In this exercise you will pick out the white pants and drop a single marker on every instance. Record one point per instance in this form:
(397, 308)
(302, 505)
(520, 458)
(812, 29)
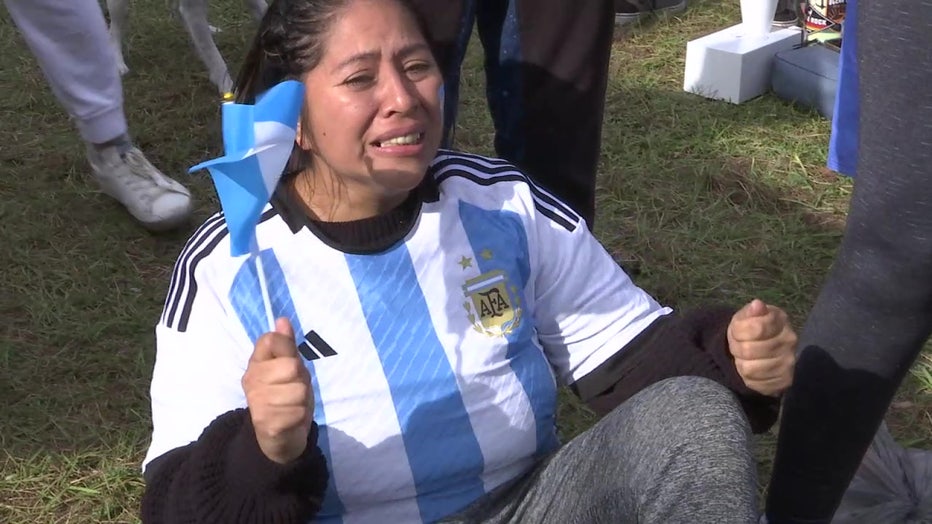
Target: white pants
(69, 40)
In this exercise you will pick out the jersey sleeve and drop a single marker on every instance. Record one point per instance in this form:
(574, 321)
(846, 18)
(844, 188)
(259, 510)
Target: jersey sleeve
(199, 365)
(586, 306)
(204, 463)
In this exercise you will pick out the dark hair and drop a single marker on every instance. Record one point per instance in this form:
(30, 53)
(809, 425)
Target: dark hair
(288, 44)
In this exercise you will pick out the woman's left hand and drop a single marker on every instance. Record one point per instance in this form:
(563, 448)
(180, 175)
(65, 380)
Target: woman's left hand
(763, 344)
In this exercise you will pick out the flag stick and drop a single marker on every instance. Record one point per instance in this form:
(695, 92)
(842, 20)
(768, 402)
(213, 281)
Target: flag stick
(264, 288)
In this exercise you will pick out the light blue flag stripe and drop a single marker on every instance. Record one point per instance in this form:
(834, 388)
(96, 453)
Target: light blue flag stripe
(238, 128)
(242, 195)
(246, 298)
(502, 234)
(443, 452)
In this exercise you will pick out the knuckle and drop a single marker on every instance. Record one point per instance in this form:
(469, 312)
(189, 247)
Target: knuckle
(255, 401)
(300, 394)
(264, 342)
(761, 330)
(306, 393)
(297, 368)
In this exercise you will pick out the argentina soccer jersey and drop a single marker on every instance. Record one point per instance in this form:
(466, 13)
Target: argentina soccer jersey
(426, 345)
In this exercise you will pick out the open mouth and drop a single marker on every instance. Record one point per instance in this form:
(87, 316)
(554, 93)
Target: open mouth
(405, 140)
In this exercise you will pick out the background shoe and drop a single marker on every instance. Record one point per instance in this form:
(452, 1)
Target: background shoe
(628, 12)
(156, 201)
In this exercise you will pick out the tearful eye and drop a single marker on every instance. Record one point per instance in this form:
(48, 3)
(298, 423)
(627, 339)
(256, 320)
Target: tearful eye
(418, 69)
(359, 81)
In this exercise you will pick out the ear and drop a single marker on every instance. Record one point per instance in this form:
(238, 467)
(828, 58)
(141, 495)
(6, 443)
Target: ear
(301, 138)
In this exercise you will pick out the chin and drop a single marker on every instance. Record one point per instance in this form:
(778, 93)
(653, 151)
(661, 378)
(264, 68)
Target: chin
(400, 173)
(401, 180)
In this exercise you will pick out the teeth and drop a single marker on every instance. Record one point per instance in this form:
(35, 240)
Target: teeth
(413, 138)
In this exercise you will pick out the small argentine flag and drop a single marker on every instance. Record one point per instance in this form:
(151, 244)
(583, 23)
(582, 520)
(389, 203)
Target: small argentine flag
(257, 142)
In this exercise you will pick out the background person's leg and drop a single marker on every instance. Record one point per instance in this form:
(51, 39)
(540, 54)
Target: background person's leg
(450, 24)
(677, 452)
(547, 72)
(70, 42)
(875, 310)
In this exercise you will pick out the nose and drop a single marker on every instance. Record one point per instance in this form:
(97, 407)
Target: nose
(399, 93)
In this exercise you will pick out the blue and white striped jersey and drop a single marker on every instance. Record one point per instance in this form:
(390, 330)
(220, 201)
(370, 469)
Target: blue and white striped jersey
(434, 363)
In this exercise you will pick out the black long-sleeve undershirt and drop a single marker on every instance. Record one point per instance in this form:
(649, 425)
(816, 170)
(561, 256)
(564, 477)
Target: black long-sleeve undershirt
(223, 477)
(690, 344)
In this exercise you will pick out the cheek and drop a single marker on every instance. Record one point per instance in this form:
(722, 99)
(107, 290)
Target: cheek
(340, 126)
(430, 94)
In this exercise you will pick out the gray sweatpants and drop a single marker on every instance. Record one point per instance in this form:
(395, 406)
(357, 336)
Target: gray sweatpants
(677, 452)
(70, 41)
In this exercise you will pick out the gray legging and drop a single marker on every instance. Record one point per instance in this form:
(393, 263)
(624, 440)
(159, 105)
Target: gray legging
(677, 452)
(875, 310)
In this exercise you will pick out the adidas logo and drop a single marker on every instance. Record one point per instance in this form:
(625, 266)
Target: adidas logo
(315, 347)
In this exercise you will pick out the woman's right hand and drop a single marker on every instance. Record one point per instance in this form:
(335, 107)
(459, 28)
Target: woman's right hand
(279, 394)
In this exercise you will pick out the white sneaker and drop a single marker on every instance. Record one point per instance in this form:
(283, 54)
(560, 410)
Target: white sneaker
(156, 201)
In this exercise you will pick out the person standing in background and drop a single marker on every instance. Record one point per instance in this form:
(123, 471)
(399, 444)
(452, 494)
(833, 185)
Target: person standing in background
(874, 312)
(69, 39)
(546, 66)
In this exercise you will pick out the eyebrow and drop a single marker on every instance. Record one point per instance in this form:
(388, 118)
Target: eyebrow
(372, 55)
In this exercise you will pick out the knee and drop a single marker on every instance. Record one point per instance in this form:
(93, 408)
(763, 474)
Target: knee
(689, 411)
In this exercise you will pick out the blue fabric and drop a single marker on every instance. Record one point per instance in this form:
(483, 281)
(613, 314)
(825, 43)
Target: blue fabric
(843, 144)
(501, 40)
(451, 76)
(443, 451)
(283, 306)
(499, 32)
(247, 299)
(492, 232)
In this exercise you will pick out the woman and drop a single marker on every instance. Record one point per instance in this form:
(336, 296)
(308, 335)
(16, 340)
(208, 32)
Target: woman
(429, 305)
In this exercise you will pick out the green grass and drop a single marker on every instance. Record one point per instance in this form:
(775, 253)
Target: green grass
(712, 201)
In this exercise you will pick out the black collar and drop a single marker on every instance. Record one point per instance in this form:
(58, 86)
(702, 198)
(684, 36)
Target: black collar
(364, 236)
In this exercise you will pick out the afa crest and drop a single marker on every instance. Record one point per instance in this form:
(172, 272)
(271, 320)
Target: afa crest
(493, 306)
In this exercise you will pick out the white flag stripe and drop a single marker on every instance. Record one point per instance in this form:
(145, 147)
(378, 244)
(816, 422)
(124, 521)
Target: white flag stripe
(487, 282)
(273, 159)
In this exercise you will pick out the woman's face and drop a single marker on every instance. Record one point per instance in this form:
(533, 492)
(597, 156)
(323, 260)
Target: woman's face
(373, 116)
